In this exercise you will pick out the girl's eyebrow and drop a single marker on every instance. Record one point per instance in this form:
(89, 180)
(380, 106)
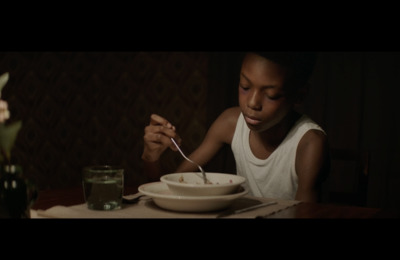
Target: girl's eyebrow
(265, 87)
(244, 76)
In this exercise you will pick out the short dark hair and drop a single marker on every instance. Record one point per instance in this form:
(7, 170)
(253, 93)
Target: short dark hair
(300, 64)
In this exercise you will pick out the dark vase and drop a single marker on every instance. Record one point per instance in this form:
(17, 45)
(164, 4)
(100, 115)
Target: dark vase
(17, 194)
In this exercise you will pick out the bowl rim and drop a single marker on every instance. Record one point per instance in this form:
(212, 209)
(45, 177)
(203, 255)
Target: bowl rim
(157, 195)
(201, 185)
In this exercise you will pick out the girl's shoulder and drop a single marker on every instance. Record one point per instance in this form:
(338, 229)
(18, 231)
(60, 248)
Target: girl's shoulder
(229, 117)
(224, 126)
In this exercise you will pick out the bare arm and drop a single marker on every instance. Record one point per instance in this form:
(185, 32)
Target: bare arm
(157, 140)
(220, 133)
(312, 162)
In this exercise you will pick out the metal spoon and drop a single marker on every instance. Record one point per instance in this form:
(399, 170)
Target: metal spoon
(184, 156)
(132, 201)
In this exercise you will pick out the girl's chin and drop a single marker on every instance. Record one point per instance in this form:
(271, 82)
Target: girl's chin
(255, 127)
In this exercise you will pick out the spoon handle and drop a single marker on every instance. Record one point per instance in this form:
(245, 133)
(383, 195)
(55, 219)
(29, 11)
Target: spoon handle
(184, 156)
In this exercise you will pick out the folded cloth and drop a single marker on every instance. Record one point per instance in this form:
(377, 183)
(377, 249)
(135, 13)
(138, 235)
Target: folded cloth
(146, 208)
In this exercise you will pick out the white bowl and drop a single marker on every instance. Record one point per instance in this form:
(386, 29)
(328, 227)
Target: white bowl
(192, 184)
(164, 198)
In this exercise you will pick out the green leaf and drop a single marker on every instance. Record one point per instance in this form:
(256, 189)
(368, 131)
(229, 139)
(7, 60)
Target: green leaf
(8, 135)
(3, 80)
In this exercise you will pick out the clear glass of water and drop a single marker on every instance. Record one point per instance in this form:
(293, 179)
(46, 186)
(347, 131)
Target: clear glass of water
(103, 187)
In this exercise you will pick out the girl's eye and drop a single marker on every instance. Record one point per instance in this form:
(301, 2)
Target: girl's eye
(275, 97)
(243, 87)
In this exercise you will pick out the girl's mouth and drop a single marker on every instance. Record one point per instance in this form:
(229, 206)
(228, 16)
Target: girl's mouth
(252, 121)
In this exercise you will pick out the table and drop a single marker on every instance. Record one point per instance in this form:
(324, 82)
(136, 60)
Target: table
(304, 210)
(66, 197)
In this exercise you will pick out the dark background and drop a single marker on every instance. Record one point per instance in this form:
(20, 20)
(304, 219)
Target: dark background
(82, 108)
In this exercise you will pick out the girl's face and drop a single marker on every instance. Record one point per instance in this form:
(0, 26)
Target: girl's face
(262, 97)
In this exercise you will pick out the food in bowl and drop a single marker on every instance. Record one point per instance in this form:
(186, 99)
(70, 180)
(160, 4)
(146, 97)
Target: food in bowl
(192, 183)
(182, 180)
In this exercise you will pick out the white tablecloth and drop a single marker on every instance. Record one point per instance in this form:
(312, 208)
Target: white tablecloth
(146, 208)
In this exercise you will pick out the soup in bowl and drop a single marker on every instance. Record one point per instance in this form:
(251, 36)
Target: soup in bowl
(192, 183)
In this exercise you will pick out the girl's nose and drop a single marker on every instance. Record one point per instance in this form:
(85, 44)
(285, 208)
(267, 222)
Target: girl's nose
(255, 100)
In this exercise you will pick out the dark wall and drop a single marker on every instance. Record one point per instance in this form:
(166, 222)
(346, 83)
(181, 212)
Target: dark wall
(355, 97)
(82, 108)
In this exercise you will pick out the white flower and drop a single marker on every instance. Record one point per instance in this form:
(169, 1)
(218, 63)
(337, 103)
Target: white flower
(8, 133)
(4, 112)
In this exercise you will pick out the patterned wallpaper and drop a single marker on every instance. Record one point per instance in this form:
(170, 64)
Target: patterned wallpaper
(82, 108)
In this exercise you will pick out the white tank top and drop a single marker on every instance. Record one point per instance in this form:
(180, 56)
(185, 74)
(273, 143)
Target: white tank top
(274, 177)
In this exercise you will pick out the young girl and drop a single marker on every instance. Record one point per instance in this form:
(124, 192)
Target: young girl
(282, 153)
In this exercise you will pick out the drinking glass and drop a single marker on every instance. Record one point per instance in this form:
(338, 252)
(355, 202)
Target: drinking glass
(103, 187)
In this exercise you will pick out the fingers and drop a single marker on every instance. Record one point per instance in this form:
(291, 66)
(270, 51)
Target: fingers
(157, 138)
(161, 135)
(158, 120)
(160, 131)
(164, 124)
